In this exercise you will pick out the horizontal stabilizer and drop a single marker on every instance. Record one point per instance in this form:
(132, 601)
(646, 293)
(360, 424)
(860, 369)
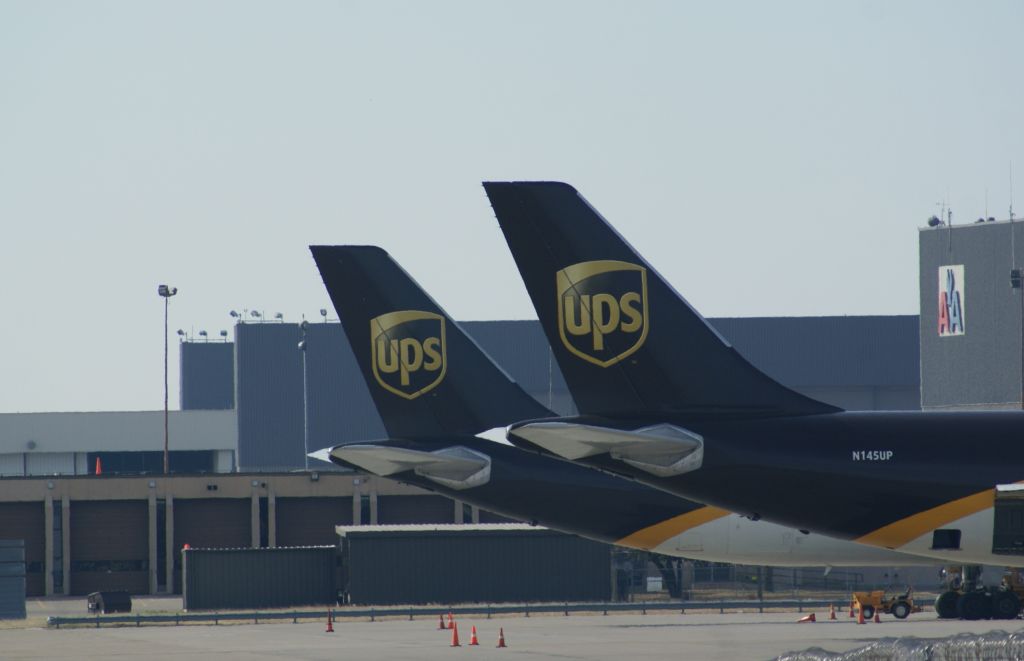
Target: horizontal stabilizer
(322, 455)
(663, 450)
(455, 467)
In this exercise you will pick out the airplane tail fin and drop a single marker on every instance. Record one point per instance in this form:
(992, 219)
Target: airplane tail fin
(625, 340)
(427, 377)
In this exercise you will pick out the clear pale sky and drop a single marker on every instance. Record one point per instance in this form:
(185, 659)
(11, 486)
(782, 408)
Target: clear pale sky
(769, 158)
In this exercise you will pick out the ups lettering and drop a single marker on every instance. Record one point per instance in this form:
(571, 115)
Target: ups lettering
(600, 314)
(408, 355)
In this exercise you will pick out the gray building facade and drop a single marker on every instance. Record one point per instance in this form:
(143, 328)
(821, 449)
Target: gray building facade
(971, 316)
(209, 370)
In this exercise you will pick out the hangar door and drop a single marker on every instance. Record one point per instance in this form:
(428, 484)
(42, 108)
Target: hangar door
(26, 521)
(414, 509)
(210, 523)
(109, 546)
(311, 521)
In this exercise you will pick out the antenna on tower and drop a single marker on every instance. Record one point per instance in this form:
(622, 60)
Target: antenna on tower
(1013, 239)
(949, 228)
(1011, 191)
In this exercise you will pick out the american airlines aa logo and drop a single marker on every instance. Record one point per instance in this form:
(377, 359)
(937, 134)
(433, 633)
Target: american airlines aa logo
(602, 309)
(408, 351)
(951, 300)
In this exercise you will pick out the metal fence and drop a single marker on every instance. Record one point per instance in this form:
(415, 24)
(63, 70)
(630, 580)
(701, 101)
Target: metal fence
(640, 576)
(432, 612)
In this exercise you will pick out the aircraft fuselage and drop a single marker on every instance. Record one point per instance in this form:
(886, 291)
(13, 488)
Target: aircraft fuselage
(881, 478)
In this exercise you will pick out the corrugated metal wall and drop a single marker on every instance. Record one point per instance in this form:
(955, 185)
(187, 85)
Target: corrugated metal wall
(12, 579)
(311, 521)
(982, 367)
(270, 391)
(207, 375)
(863, 351)
(259, 578)
(12, 464)
(269, 397)
(109, 546)
(521, 348)
(475, 566)
(27, 521)
(50, 463)
(340, 407)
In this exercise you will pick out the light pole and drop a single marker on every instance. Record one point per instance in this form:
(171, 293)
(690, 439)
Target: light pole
(303, 327)
(166, 293)
(1017, 282)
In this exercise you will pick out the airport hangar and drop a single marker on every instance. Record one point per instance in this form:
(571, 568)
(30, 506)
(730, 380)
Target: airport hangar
(249, 411)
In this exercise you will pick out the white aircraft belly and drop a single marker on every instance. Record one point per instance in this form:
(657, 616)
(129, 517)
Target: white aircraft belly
(737, 539)
(975, 543)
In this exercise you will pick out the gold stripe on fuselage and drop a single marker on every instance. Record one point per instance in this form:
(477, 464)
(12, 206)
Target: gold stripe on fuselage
(904, 531)
(652, 536)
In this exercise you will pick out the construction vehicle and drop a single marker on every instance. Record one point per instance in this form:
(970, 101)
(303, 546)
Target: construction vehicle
(967, 598)
(899, 606)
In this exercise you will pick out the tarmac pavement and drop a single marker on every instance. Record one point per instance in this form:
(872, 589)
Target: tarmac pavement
(739, 636)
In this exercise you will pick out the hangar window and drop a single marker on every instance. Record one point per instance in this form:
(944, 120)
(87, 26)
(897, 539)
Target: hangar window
(946, 538)
(140, 462)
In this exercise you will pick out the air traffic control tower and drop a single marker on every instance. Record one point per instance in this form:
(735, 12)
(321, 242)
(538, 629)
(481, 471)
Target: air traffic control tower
(972, 308)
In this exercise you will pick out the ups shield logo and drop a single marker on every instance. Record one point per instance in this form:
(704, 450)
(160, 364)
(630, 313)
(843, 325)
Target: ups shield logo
(408, 351)
(602, 310)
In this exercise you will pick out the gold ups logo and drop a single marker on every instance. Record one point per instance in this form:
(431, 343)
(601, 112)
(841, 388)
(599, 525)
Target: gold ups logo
(602, 310)
(408, 351)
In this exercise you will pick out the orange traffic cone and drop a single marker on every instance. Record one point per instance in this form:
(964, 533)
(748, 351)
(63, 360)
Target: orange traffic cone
(472, 636)
(455, 635)
(330, 622)
(831, 612)
(99, 466)
(860, 616)
(878, 620)
(451, 620)
(440, 622)
(808, 618)
(501, 637)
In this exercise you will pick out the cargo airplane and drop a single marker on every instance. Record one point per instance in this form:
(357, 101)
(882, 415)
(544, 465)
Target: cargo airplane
(441, 397)
(666, 400)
